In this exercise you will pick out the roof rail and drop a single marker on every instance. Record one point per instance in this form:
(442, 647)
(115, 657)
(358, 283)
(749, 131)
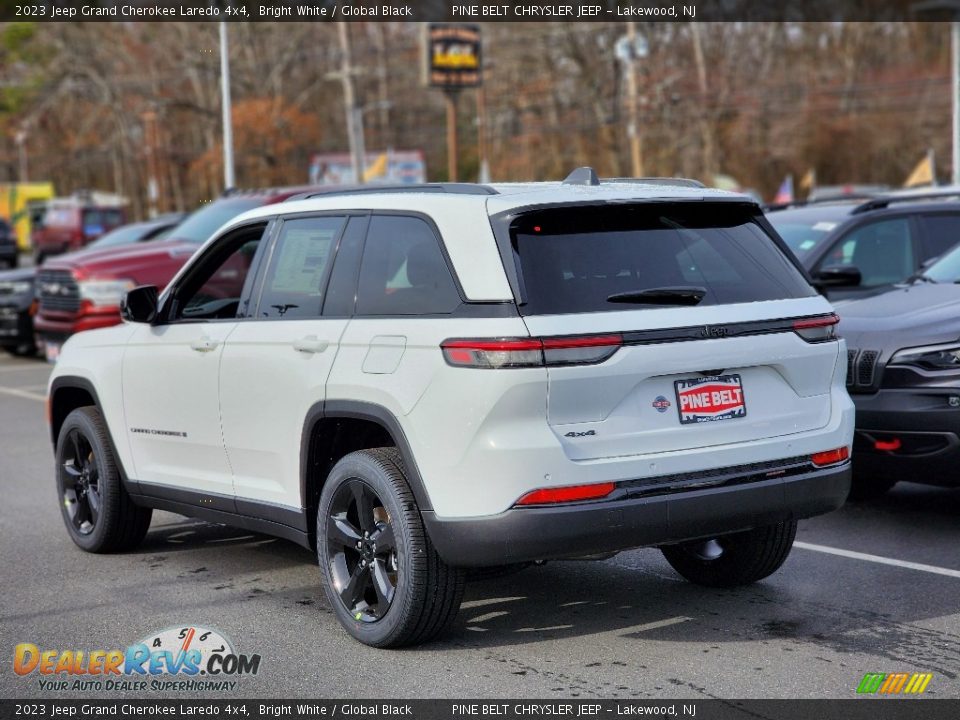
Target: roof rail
(882, 201)
(451, 188)
(666, 181)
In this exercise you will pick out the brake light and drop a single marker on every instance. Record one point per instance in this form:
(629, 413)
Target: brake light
(531, 352)
(574, 493)
(817, 329)
(830, 457)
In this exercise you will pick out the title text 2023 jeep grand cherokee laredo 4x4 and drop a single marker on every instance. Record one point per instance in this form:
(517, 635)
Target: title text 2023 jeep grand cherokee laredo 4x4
(441, 377)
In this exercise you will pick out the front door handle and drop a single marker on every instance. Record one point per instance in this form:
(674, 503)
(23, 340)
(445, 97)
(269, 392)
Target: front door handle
(310, 344)
(204, 344)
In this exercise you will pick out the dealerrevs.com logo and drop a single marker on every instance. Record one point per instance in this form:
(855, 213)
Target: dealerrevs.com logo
(176, 659)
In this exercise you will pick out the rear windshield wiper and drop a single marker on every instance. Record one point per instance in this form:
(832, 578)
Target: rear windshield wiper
(680, 295)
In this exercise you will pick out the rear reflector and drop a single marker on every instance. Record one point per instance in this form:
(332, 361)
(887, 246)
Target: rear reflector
(887, 445)
(530, 352)
(830, 457)
(817, 329)
(574, 493)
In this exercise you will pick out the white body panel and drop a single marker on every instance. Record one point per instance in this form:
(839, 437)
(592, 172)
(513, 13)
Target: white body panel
(267, 386)
(172, 406)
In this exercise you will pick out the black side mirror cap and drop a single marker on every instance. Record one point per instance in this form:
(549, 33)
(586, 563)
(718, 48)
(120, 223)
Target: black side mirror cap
(836, 276)
(140, 304)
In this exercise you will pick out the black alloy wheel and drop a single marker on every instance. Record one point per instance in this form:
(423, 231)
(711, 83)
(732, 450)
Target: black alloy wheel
(385, 582)
(362, 551)
(99, 514)
(80, 483)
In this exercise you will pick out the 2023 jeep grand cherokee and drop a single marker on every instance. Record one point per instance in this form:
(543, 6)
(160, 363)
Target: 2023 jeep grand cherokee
(421, 380)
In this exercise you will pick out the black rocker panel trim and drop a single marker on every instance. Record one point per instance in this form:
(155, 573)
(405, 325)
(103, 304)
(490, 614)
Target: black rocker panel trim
(189, 506)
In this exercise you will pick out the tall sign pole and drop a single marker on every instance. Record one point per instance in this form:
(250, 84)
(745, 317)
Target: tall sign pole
(229, 178)
(452, 63)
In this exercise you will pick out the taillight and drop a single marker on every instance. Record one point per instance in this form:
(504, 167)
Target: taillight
(530, 352)
(573, 493)
(830, 457)
(817, 329)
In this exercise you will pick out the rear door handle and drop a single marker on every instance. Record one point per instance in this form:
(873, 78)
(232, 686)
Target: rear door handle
(310, 344)
(204, 344)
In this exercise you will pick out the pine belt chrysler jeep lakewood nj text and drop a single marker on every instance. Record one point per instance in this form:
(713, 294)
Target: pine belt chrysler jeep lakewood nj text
(420, 380)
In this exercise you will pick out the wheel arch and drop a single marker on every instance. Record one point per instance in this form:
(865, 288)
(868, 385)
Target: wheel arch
(69, 392)
(334, 428)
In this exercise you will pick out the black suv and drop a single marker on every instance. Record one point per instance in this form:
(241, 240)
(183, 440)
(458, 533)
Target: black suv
(903, 373)
(9, 252)
(858, 247)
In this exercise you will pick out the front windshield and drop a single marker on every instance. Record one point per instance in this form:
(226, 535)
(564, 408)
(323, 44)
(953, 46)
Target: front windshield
(946, 269)
(801, 237)
(200, 225)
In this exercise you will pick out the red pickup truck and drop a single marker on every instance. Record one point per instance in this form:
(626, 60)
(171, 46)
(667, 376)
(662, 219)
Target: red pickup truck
(84, 293)
(71, 223)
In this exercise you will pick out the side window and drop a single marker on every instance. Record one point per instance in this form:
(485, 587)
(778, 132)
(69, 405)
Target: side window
(294, 282)
(940, 233)
(342, 288)
(215, 285)
(403, 270)
(882, 251)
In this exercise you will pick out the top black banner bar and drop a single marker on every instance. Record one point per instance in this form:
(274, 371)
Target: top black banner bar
(481, 11)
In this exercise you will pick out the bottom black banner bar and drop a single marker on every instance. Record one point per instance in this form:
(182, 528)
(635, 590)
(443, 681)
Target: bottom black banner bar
(865, 708)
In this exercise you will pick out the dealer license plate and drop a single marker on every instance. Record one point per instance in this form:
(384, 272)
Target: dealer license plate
(719, 397)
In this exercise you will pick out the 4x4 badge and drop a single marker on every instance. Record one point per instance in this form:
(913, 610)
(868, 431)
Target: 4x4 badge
(573, 433)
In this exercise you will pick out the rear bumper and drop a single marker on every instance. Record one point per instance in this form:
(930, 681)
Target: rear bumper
(541, 533)
(921, 423)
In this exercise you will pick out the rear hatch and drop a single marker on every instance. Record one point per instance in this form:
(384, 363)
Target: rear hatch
(702, 331)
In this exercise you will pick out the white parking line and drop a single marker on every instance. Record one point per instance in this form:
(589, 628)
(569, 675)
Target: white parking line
(17, 368)
(878, 559)
(23, 394)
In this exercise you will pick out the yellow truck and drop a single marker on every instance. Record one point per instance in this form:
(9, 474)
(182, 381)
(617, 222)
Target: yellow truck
(22, 205)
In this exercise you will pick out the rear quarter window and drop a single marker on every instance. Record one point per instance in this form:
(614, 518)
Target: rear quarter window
(577, 259)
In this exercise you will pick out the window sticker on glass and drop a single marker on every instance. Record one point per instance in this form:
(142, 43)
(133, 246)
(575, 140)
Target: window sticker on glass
(807, 244)
(825, 226)
(303, 260)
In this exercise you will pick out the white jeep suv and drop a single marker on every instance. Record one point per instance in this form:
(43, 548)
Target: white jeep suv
(425, 379)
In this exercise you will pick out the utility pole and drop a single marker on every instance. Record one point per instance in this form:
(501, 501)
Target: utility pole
(630, 48)
(453, 149)
(354, 114)
(150, 146)
(484, 174)
(21, 139)
(633, 125)
(229, 178)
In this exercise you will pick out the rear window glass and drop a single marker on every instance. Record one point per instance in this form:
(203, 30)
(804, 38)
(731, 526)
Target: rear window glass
(593, 259)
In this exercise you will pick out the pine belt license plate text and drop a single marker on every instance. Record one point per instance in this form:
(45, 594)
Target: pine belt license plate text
(706, 399)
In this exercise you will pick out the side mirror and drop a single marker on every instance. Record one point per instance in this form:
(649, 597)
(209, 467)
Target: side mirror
(140, 304)
(836, 276)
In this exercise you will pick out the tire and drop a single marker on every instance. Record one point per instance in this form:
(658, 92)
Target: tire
(735, 559)
(98, 512)
(864, 488)
(411, 596)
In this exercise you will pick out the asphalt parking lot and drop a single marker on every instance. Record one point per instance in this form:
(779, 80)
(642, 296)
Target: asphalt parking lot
(871, 588)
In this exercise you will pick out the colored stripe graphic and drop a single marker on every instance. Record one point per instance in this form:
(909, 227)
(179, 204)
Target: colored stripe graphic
(894, 683)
